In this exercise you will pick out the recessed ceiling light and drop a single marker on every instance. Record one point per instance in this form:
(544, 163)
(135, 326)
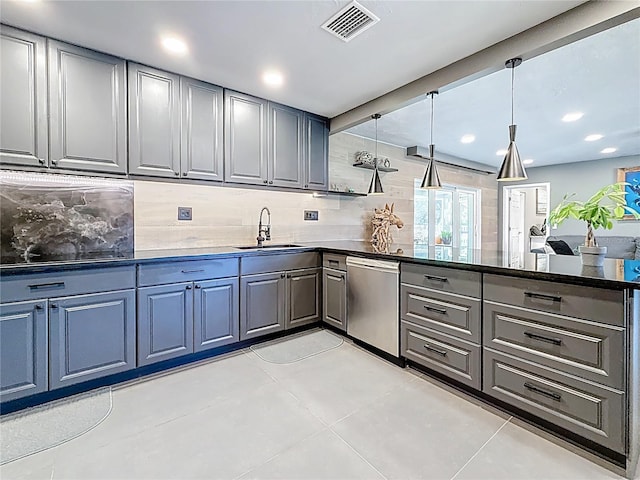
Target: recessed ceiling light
(501, 153)
(593, 137)
(608, 150)
(273, 78)
(572, 117)
(528, 161)
(468, 138)
(174, 45)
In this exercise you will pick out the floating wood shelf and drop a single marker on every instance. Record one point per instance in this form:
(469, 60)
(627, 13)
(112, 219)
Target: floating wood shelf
(368, 166)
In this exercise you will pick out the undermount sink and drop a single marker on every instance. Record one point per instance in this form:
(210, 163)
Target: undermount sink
(255, 247)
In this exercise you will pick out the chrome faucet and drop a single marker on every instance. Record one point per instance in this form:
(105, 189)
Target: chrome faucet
(266, 229)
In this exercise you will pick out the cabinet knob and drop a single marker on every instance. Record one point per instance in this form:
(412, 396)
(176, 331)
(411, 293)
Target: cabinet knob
(38, 307)
(176, 174)
(184, 174)
(264, 181)
(282, 275)
(188, 287)
(54, 162)
(197, 286)
(41, 161)
(53, 306)
(270, 182)
(306, 185)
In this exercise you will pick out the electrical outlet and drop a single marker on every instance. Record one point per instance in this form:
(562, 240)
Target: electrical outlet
(184, 213)
(311, 215)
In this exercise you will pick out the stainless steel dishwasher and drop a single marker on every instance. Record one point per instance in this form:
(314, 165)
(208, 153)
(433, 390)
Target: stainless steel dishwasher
(373, 315)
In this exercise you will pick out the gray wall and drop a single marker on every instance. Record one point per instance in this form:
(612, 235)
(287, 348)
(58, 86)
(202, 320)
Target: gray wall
(583, 178)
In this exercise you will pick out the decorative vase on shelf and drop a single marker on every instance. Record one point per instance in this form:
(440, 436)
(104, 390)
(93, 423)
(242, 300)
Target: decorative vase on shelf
(592, 256)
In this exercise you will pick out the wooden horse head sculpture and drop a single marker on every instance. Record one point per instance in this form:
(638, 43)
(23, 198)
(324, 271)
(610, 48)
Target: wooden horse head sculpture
(382, 219)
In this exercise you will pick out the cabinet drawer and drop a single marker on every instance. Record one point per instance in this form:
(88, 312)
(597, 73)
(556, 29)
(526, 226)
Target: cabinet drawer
(442, 279)
(591, 411)
(332, 260)
(589, 350)
(448, 313)
(444, 354)
(175, 272)
(279, 262)
(65, 283)
(597, 304)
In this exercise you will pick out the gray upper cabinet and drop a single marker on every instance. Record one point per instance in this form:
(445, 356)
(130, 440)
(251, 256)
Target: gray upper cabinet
(303, 289)
(245, 139)
(202, 130)
(216, 313)
(87, 108)
(91, 336)
(286, 132)
(316, 158)
(23, 98)
(165, 322)
(262, 304)
(23, 349)
(154, 122)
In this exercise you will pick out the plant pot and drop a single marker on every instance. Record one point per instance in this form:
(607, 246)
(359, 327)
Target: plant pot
(592, 256)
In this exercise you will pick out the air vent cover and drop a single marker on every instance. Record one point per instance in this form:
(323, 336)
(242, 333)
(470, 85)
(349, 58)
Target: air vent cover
(350, 22)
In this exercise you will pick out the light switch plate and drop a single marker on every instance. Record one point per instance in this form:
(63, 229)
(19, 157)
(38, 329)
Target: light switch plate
(311, 214)
(184, 213)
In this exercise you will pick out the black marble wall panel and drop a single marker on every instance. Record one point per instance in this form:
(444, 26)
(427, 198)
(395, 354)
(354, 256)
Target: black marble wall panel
(46, 217)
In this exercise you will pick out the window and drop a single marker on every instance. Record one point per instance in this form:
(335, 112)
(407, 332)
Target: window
(447, 219)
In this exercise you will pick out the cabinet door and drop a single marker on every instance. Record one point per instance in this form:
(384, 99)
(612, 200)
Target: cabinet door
(154, 122)
(23, 98)
(201, 147)
(215, 317)
(334, 287)
(316, 153)
(87, 108)
(245, 139)
(165, 322)
(23, 349)
(262, 309)
(303, 297)
(91, 336)
(286, 162)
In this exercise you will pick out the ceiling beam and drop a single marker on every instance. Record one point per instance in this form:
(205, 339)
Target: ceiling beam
(580, 22)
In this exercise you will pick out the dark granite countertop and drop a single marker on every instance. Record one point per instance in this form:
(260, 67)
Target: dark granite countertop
(568, 269)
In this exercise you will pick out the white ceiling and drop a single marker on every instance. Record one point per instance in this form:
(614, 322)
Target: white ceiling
(232, 42)
(599, 76)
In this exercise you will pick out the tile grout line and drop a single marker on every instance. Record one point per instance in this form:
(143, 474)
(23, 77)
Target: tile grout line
(357, 453)
(480, 449)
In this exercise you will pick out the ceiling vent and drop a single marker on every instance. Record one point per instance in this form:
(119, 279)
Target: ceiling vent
(350, 22)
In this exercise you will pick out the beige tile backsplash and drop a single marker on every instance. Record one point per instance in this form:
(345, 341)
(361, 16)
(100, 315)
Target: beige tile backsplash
(229, 215)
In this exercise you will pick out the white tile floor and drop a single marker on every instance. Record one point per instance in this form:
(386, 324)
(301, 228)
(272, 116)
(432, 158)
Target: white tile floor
(339, 415)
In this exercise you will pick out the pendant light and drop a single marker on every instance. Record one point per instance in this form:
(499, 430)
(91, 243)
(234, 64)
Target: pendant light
(375, 188)
(431, 178)
(512, 168)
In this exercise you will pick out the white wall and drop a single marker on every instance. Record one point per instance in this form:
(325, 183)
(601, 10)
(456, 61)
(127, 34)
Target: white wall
(583, 179)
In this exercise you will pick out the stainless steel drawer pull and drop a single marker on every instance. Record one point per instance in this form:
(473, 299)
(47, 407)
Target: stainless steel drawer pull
(47, 285)
(435, 350)
(535, 336)
(438, 279)
(542, 296)
(334, 262)
(193, 271)
(552, 395)
(441, 311)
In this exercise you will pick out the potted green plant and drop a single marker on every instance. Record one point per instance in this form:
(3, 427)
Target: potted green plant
(445, 236)
(599, 211)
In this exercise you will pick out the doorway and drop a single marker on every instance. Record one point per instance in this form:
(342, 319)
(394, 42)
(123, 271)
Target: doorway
(524, 207)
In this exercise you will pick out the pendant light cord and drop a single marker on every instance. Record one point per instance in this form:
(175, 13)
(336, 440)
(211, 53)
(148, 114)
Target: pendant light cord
(513, 72)
(376, 157)
(431, 141)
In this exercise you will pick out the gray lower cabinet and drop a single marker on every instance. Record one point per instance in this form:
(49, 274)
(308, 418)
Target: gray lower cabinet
(91, 336)
(202, 130)
(262, 304)
(165, 322)
(245, 144)
(87, 109)
(23, 349)
(334, 287)
(215, 313)
(316, 172)
(285, 159)
(303, 294)
(154, 122)
(23, 98)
